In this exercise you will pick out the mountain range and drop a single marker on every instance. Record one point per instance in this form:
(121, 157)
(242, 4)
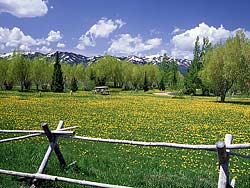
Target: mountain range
(73, 58)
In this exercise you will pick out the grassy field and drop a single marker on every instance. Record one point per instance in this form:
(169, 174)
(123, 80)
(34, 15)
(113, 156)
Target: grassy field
(130, 116)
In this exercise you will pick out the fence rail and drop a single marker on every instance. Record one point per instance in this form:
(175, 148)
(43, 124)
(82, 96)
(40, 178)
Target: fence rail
(162, 144)
(221, 147)
(58, 178)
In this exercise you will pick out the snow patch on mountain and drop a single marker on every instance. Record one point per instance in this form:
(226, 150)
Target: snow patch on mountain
(73, 58)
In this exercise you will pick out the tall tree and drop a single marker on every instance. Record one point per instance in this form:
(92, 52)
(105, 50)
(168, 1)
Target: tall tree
(39, 71)
(192, 80)
(173, 74)
(164, 72)
(79, 72)
(205, 47)
(73, 84)
(21, 70)
(57, 77)
(223, 65)
(164, 64)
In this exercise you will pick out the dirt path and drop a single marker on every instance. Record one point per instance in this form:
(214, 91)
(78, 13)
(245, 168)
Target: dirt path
(165, 93)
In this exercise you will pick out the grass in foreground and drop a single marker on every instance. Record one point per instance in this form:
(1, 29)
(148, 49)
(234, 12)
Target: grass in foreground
(130, 116)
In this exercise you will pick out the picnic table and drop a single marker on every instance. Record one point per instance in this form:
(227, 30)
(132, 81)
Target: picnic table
(102, 89)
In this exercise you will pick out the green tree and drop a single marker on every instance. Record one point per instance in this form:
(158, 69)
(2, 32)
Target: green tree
(164, 64)
(79, 72)
(205, 47)
(161, 84)
(90, 81)
(145, 84)
(173, 74)
(137, 76)
(40, 71)
(57, 77)
(244, 82)
(3, 72)
(192, 80)
(164, 72)
(224, 65)
(21, 70)
(73, 84)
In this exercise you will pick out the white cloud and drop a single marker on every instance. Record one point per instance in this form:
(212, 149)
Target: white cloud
(54, 36)
(15, 38)
(102, 29)
(60, 45)
(2, 47)
(42, 41)
(24, 48)
(44, 50)
(183, 44)
(177, 30)
(24, 8)
(154, 32)
(127, 45)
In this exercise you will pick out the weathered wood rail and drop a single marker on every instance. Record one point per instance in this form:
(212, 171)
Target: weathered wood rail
(221, 147)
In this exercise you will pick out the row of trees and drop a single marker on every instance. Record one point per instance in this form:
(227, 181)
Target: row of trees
(111, 71)
(22, 71)
(106, 71)
(214, 69)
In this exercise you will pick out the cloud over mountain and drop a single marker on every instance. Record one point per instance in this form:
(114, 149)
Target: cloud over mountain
(60, 45)
(54, 36)
(15, 38)
(102, 29)
(44, 49)
(125, 44)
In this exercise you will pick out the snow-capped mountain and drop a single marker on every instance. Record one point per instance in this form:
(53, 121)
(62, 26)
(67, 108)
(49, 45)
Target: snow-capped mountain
(73, 58)
(183, 64)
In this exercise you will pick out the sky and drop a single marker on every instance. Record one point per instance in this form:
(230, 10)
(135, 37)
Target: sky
(119, 27)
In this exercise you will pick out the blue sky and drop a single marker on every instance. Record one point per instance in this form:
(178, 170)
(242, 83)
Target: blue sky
(119, 27)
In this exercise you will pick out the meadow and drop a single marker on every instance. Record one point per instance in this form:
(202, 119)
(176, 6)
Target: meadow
(131, 116)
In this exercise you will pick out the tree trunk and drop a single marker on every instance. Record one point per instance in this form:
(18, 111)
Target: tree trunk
(222, 97)
(115, 83)
(223, 91)
(37, 85)
(22, 86)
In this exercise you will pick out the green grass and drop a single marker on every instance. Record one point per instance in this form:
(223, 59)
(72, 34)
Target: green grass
(130, 116)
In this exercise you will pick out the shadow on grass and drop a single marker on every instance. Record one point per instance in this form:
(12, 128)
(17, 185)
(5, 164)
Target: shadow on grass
(235, 102)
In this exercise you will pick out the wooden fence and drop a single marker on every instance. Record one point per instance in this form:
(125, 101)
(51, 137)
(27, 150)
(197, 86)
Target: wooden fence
(221, 147)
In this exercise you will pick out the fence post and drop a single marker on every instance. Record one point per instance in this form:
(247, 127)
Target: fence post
(52, 146)
(228, 141)
(52, 139)
(223, 157)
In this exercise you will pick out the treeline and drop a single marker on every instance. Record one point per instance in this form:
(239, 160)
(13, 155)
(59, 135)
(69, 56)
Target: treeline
(108, 70)
(216, 70)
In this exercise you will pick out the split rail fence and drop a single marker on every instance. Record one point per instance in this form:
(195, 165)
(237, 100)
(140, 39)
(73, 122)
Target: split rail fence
(221, 147)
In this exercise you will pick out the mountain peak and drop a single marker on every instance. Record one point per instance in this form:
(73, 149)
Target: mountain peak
(73, 58)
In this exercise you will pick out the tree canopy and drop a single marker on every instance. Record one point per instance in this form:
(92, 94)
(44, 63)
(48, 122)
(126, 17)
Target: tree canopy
(227, 66)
